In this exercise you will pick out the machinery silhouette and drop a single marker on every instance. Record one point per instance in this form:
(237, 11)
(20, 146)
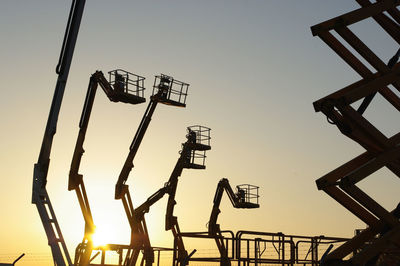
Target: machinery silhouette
(242, 199)
(15, 261)
(379, 243)
(168, 91)
(40, 196)
(124, 87)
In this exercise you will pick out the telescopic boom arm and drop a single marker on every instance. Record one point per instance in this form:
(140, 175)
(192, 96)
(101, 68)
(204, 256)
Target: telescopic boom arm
(39, 193)
(198, 142)
(164, 90)
(140, 237)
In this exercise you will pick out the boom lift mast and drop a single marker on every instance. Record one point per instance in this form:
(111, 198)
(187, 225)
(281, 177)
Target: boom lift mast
(117, 90)
(193, 156)
(168, 91)
(242, 199)
(186, 160)
(40, 196)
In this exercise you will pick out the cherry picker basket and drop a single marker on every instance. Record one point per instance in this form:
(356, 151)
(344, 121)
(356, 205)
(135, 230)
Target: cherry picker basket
(126, 82)
(201, 143)
(248, 194)
(170, 91)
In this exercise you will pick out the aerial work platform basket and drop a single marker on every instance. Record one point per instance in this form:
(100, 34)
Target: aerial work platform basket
(170, 91)
(127, 87)
(199, 141)
(248, 194)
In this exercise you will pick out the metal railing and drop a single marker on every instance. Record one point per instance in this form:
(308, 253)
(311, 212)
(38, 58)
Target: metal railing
(127, 82)
(203, 138)
(174, 90)
(250, 192)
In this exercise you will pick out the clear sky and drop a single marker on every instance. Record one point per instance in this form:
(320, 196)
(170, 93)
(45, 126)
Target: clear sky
(254, 70)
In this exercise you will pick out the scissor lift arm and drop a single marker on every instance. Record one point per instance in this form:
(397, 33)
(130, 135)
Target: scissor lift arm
(40, 196)
(381, 151)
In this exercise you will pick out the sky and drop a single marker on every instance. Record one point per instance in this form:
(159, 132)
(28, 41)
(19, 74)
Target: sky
(254, 71)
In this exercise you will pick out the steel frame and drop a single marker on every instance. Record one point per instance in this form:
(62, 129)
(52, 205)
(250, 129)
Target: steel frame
(341, 183)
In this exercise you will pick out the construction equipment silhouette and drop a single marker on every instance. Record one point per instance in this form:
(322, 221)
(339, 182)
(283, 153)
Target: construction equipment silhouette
(40, 196)
(372, 243)
(124, 87)
(241, 199)
(15, 261)
(379, 243)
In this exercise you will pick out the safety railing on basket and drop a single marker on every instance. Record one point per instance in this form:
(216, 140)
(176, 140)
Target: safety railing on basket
(128, 82)
(250, 192)
(175, 90)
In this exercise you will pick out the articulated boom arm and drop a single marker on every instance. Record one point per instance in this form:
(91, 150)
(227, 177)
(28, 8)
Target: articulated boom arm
(162, 95)
(238, 200)
(241, 199)
(186, 160)
(139, 228)
(116, 92)
(140, 238)
(39, 193)
(121, 188)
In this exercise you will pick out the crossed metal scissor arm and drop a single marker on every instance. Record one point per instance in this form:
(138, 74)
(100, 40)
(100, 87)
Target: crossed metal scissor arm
(341, 184)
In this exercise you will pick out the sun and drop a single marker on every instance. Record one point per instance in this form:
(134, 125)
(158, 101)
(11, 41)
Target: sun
(103, 235)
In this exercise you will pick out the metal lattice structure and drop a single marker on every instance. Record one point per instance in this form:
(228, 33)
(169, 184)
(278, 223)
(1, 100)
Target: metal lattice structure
(383, 231)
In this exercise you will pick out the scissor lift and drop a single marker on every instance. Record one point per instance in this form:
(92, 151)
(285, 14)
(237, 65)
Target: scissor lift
(383, 232)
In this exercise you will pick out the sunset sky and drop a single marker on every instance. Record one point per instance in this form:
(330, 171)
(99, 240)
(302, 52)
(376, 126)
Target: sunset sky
(254, 71)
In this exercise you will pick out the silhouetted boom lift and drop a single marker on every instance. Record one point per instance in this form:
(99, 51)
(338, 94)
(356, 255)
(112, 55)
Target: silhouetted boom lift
(15, 261)
(169, 91)
(124, 87)
(193, 156)
(195, 142)
(246, 197)
(39, 193)
(381, 151)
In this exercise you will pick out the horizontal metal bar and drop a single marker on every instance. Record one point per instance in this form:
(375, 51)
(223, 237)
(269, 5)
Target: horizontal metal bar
(353, 16)
(384, 21)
